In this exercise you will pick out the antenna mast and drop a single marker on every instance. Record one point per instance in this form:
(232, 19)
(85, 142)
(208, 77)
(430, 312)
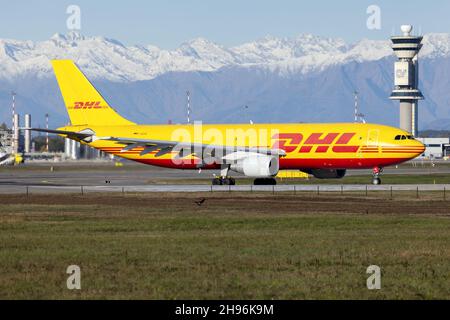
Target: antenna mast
(15, 124)
(46, 126)
(13, 107)
(188, 94)
(359, 117)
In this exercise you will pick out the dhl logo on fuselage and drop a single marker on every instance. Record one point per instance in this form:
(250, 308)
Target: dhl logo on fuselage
(87, 105)
(315, 142)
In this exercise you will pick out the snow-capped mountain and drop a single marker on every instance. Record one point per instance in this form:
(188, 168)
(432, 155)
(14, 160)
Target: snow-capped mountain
(305, 78)
(104, 58)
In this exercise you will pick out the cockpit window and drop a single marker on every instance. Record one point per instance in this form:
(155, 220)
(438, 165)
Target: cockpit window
(403, 137)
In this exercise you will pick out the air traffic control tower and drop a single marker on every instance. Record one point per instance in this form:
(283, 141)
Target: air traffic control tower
(406, 77)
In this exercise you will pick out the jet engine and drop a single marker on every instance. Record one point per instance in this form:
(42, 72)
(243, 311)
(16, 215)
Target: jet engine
(327, 173)
(257, 165)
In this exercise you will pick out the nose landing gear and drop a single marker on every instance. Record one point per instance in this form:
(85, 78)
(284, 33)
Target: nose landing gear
(376, 175)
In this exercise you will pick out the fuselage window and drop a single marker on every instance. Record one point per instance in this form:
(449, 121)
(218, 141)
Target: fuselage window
(403, 137)
(397, 137)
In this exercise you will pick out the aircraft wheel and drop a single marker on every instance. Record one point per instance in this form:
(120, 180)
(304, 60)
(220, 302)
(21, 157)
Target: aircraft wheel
(376, 181)
(216, 182)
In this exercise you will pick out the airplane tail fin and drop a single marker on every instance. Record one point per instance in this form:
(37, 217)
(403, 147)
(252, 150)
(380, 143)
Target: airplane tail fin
(84, 103)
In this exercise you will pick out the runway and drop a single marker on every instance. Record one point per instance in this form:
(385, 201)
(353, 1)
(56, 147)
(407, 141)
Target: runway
(193, 188)
(104, 177)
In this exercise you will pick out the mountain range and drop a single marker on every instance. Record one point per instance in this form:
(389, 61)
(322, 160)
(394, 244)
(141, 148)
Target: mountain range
(302, 79)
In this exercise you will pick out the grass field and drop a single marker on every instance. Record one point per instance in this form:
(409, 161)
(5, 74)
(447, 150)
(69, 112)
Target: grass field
(255, 246)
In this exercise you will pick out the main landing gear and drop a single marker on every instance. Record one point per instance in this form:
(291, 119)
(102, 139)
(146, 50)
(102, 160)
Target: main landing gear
(376, 175)
(224, 179)
(227, 181)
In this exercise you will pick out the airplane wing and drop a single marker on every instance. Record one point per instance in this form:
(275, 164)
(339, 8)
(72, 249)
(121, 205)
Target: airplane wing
(222, 153)
(208, 153)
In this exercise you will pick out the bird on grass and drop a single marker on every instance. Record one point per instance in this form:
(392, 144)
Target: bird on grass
(200, 202)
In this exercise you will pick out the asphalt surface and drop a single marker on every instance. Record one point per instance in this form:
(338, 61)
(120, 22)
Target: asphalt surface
(95, 174)
(104, 177)
(43, 189)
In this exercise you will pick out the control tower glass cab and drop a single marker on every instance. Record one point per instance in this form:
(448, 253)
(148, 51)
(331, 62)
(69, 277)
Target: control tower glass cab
(406, 77)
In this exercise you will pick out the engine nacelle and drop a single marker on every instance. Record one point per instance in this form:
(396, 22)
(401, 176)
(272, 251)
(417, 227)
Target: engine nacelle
(328, 173)
(257, 166)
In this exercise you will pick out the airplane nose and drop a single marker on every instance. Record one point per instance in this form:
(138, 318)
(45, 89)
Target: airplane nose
(414, 148)
(420, 148)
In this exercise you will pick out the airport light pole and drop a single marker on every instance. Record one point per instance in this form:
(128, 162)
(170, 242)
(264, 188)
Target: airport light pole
(13, 117)
(46, 126)
(188, 94)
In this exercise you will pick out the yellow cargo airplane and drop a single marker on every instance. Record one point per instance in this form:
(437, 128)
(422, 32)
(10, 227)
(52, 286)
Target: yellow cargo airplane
(255, 150)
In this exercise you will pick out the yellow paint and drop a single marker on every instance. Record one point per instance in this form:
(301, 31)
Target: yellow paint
(292, 174)
(169, 133)
(106, 122)
(75, 87)
(18, 159)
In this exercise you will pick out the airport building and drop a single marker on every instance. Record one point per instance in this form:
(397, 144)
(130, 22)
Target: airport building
(74, 150)
(406, 78)
(406, 90)
(14, 141)
(6, 141)
(436, 148)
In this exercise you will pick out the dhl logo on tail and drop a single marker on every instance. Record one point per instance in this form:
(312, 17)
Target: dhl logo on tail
(87, 105)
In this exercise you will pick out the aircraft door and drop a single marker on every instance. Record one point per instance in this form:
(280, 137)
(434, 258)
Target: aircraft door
(373, 139)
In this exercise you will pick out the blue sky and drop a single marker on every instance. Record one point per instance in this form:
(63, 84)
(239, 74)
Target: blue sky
(229, 22)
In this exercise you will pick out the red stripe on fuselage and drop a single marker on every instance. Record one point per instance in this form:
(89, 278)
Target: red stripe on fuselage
(351, 149)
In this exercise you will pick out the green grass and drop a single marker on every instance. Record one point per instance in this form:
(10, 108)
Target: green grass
(231, 247)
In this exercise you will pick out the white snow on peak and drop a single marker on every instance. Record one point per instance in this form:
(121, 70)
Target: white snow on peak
(436, 45)
(211, 53)
(109, 59)
(272, 49)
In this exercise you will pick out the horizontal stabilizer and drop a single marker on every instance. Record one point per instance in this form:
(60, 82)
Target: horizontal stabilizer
(82, 135)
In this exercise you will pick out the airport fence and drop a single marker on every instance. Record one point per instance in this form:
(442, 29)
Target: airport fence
(386, 191)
